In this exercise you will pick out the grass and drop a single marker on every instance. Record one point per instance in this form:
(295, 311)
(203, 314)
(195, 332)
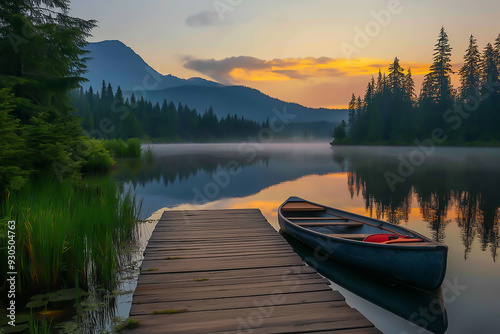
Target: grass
(151, 269)
(68, 235)
(39, 326)
(149, 154)
(201, 279)
(173, 311)
(130, 323)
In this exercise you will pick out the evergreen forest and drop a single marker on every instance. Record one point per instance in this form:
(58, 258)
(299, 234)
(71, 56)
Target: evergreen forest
(391, 113)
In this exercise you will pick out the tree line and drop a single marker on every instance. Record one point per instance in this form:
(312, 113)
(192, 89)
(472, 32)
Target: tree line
(110, 115)
(391, 112)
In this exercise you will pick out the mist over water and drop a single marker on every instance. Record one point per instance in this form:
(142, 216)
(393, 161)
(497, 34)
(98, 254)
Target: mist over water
(450, 195)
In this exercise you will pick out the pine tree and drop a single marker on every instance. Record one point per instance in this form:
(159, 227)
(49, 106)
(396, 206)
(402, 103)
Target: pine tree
(437, 84)
(470, 72)
(442, 67)
(489, 69)
(104, 90)
(109, 93)
(43, 55)
(369, 93)
(497, 49)
(42, 60)
(339, 133)
(119, 95)
(352, 110)
(396, 79)
(380, 84)
(359, 107)
(409, 88)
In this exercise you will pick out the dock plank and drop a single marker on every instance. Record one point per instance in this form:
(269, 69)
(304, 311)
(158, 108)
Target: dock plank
(230, 271)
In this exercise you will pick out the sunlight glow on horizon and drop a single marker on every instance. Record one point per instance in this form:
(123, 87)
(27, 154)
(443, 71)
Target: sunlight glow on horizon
(165, 33)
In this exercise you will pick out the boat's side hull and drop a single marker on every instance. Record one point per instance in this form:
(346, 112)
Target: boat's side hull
(422, 267)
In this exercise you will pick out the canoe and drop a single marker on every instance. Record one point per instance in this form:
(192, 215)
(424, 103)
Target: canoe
(397, 298)
(369, 244)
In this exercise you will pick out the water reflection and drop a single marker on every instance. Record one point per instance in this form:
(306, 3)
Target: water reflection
(443, 182)
(404, 301)
(452, 196)
(452, 186)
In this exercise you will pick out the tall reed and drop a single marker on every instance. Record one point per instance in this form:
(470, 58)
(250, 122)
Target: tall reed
(68, 235)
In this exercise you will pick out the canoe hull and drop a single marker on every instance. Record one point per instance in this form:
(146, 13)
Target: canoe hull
(421, 267)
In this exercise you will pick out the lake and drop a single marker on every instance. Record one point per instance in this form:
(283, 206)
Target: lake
(448, 194)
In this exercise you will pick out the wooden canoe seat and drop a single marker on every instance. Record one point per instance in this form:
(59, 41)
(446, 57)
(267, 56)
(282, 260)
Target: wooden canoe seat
(301, 206)
(330, 224)
(402, 241)
(350, 236)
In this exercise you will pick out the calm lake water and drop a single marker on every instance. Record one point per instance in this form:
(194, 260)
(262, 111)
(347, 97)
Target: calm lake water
(450, 195)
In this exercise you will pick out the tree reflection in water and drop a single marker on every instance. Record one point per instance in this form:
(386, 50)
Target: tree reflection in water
(445, 181)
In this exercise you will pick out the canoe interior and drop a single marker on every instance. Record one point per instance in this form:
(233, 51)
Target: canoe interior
(339, 225)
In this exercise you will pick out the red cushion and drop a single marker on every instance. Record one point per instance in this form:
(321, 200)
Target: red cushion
(382, 237)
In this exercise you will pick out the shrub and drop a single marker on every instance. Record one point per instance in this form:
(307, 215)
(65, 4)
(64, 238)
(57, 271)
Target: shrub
(99, 159)
(120, 149)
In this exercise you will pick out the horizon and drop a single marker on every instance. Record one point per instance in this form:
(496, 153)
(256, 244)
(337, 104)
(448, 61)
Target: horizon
(282, 51)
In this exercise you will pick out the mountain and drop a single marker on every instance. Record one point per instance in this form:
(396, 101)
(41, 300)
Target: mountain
(119, 65)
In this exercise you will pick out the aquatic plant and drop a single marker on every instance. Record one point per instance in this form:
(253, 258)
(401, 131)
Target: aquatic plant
(149, 154)
(68, 235)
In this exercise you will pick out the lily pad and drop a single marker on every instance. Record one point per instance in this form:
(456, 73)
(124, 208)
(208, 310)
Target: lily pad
(37, 303)
(42, 296)
(20, 318)
(15, 329)
(67, 295)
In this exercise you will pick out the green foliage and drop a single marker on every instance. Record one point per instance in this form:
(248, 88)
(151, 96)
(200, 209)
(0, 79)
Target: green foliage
(149, 154)
(134, 147)
(391, 115)
(98, 159)
(43, 54)
(340, 133)
(42, 61)
(13, 171)
(39, 326)
(51, 141)
(130, 323)
(138, 118)
(117, 147)
(67, 235)
(120, 149)
(470, 71)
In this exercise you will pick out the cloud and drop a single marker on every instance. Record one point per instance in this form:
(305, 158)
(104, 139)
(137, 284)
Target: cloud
(250, 69)
(203, 19)
(220, 70)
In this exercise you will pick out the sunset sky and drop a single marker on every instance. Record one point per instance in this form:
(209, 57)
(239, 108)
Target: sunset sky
(297, 51)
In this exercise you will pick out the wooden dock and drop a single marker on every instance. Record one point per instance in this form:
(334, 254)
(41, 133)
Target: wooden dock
(229, 271)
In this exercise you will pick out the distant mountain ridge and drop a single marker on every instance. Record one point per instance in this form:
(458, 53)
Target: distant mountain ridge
(119, 65)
